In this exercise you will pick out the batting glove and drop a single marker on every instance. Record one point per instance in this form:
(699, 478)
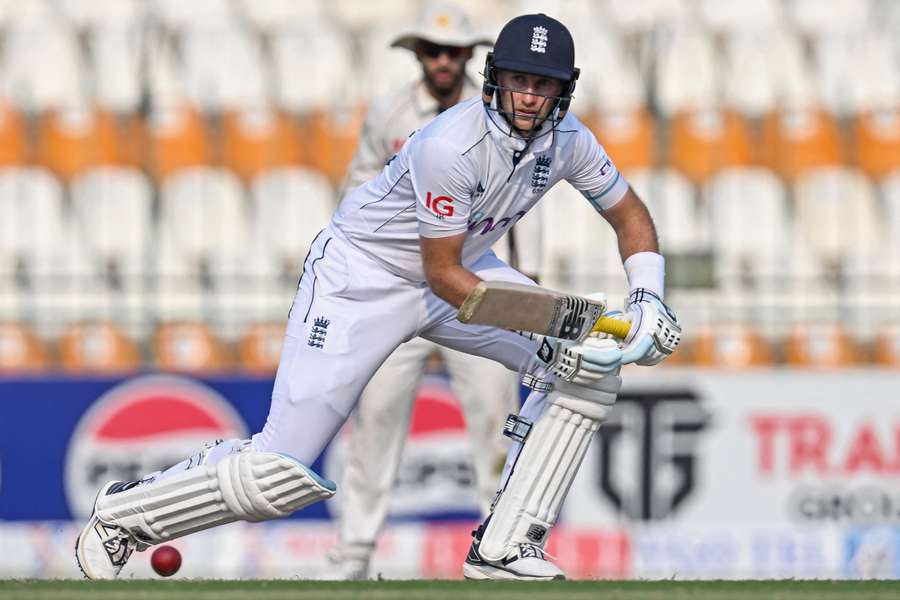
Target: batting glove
(655, 332)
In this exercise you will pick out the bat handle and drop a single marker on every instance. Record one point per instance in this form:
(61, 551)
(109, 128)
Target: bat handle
(614, 327)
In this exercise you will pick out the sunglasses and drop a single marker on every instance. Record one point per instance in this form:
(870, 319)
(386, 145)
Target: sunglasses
(435, 50)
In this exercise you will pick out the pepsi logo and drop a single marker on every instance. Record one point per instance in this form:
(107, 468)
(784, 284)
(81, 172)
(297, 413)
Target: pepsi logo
(435, 474)
(144, 425)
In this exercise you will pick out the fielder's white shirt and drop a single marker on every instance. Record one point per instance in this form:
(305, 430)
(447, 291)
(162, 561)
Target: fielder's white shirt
(462, 173)
(390, 121)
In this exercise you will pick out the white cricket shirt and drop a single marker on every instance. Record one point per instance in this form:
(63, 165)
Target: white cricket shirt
(463, 174)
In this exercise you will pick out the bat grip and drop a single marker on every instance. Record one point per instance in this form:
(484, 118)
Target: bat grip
(614, 327)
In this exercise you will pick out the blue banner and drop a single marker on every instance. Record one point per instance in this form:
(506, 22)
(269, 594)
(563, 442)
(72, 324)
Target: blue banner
(62, 438)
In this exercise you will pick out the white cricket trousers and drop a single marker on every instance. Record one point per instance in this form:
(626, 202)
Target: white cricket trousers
(349, 314)
(487, 391)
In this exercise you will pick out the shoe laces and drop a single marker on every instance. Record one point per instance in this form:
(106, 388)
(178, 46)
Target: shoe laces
(533, 551)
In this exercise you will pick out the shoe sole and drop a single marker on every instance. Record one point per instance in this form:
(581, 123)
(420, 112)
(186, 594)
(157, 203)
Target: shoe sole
(484, 572)
(87, 530)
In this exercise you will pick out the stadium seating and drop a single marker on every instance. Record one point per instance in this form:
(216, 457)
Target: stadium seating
(627, 135)
(672, 201)
(731, 346)
(203, 235)
(331, 136)
(98, 14)
(877, 141)
(734, 16)
(255, 139)
(820, 346)
(97, 347)
(842, 16)
(112, 210)
(259, 349)
(188, 347)
(300, 49)
(75, 138)
(169, 161)
(13, 141)
(836, 211)
(270, 15)
(856, 73)
(21, 351)
(292, 205)
(114, 49)
(222, 68)
(766, 71)
(703, 141)
(686, 51)
(887, 347)
(39, 81)
(176, 138)
(800, 139)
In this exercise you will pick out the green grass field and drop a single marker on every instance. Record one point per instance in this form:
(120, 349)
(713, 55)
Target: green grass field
(449, 590)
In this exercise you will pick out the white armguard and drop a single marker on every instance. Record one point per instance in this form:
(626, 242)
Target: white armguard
(244, 486)
(552, 450)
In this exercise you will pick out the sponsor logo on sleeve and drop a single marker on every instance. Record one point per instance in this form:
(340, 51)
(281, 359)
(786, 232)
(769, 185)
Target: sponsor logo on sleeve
(439, 205)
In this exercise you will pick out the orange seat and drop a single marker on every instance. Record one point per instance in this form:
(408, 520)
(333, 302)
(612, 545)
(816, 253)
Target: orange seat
(876, 137)
(332, 140)
(887, 347)
(703, 141)
(175, 138)
(21, 351)
(626, 135)
(13, 145)
(797, 140)
(821, 346)
(74, 139)
(255, 140)
(259, 349)
(187, 347)
(97, 347)
(731, 346)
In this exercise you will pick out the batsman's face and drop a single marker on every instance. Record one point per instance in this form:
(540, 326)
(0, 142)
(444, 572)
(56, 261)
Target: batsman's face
(444, 66)
(527, 99)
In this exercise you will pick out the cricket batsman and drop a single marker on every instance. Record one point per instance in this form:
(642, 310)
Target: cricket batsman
(442, 41)
(398, 258)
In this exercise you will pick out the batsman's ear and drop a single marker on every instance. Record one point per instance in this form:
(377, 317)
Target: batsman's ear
(566, 98)
(490, 80)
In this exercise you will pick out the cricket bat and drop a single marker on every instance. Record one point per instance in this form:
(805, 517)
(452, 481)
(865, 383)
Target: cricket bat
(538, 310)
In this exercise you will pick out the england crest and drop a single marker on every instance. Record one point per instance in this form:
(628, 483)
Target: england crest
(540, 176)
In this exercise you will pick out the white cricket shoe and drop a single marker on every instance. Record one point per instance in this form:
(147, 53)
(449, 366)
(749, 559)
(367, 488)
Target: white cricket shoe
(102, 549)
(524, 562)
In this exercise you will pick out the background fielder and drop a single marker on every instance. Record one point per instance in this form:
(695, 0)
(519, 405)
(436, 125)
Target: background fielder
(443, 42)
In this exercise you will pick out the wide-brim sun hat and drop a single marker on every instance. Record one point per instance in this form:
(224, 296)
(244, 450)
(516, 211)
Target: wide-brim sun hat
(442, 24)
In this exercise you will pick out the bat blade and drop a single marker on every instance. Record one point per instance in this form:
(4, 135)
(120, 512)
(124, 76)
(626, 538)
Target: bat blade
(531, 308)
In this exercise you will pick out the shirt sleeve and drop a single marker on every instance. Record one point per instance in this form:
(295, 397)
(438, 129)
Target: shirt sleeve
(443, 188)
(594, 174)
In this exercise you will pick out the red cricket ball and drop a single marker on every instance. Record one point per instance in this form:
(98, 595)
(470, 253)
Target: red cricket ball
(166, 561)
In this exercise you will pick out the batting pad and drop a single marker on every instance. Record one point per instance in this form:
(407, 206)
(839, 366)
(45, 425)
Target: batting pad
(550, 457)
(244, 486)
